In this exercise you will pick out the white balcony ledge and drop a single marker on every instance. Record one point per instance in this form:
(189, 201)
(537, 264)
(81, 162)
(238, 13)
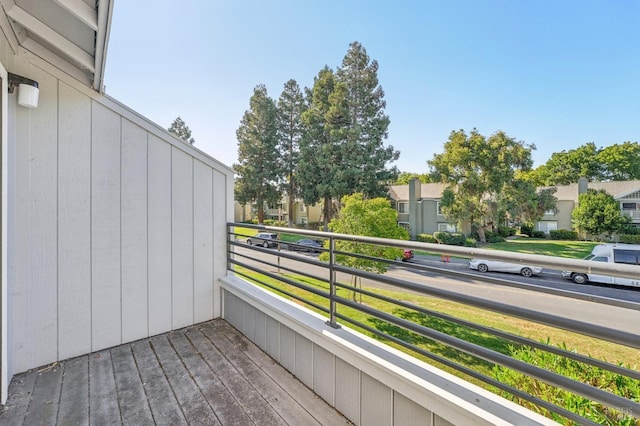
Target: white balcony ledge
(369, 382)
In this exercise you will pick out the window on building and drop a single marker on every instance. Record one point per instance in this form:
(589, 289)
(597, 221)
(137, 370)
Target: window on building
(446, 227)
(550, 213)
(301, 207)
(403, 207)
(405, 225)
(438, 209)
(547, 225)
(629, 206)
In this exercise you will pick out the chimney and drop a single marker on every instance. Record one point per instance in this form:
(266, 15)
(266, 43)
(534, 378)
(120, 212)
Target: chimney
(583, 184)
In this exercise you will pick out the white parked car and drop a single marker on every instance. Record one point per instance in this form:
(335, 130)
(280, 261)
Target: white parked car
(483, 265)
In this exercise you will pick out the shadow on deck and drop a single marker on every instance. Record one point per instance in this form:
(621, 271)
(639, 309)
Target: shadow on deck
(206, 374)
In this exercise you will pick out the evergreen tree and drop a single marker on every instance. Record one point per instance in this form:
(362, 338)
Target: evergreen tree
(291, 105)
(366, 156)
(258, 158)
(181, 130)
(598, 212)
(321, 164)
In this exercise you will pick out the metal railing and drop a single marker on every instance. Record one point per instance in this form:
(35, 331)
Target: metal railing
(289, 274)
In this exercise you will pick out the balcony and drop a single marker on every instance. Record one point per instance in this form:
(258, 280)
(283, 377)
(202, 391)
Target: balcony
(634, 215)
(283, 341)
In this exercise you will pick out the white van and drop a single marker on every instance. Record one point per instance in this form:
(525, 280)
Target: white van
(617, 253)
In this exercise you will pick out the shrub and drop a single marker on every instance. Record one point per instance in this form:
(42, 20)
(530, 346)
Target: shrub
(470, 242)
(563, 234)
(426, 238)
(505, 231)
(581, 372)
(495, 239)
(538, 234)
(630, 239)
(526, 229)
(450, 238)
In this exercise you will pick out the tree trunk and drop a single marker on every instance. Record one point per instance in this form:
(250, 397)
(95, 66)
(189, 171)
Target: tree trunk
(327, 212)
(481, 236)
(260, 213)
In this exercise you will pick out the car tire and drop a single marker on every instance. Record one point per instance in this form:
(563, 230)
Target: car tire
(483, 268)
(265, 244)
(249, 242)
(579, 278)
(526, 272)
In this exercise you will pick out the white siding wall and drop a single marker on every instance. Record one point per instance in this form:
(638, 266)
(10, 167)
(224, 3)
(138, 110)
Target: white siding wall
(119, 227)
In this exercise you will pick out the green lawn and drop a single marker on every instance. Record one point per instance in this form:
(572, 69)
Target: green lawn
(571, 249)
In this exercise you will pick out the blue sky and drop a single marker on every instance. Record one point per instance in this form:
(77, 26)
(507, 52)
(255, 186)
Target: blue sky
(553, 73)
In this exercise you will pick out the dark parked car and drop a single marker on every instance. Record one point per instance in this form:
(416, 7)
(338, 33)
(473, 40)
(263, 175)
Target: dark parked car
(307, 244)
(264, 239)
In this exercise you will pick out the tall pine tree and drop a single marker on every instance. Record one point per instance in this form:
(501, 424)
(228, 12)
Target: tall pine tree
(258, 158)
(291, 105)
(181, 130)
(367, 157)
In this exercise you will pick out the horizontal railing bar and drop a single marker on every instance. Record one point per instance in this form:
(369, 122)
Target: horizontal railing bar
(489, 355)
(509, 336)
(604, 333)
(288, 293)
(283, 279)
(286, 268)
(472, 373)
(576, 265)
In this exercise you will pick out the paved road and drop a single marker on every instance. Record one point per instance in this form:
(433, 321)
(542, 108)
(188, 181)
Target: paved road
(582, 310)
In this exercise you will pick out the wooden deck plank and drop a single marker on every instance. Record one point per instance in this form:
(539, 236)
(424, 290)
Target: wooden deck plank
(103, 397)
(74, 396)
(180, 378)
(134, 407)
(195, 407)
(283, 379)
(226, 407)
(161, 399)
(20, 392)
(43, 408)
(251, 400)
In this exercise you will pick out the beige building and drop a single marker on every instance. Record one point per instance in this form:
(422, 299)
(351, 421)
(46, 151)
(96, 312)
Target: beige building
(418, 205)
(303, 214)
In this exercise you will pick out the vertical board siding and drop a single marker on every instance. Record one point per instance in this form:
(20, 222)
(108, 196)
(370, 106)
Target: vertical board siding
(202, 242)
(119, 233)
(159, 238)
(105, 228)
(74, 223)
(134, 232)
(41, 239)
(181, 238)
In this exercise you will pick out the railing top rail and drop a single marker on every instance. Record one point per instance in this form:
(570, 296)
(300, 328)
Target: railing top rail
(562, 263)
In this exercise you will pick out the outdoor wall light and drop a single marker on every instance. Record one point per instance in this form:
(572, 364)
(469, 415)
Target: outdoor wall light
(28, 91)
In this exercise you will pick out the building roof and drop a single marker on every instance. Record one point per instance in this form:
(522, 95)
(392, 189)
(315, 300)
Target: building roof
(617, 189)
(70, 34)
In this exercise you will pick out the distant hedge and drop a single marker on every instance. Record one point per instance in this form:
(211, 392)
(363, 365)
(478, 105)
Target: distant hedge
(426, 238)
(563, 234)
(630, 238)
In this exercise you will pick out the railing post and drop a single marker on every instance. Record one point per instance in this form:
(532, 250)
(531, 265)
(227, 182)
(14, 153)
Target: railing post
(332, 285)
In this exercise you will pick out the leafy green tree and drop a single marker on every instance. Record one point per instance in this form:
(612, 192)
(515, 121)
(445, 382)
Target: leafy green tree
(620, 161)
(320, 168)
(366, 158)
(258, 164)
(477, 171)
(181, 130)
(597, 213)
(291, 105)
(367, 217)
(405, 177)
(566, 167)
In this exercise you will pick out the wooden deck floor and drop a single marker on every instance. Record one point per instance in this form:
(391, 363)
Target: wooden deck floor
(207, 374)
